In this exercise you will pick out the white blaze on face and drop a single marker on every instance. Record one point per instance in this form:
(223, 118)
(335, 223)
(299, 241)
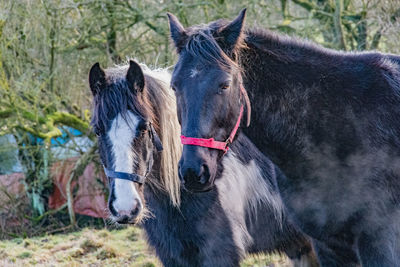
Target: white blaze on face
(121, 135)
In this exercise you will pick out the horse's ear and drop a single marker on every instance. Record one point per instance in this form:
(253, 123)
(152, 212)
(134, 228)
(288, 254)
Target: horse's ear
(97, 78)
(178, 34)
(232, 33)
(135, 76)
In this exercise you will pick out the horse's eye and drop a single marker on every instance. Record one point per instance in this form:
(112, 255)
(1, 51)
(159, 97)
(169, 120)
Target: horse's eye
(143, 127)
(224, 86)
(173, 88)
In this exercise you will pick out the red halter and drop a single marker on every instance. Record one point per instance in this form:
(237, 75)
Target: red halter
(211, 143)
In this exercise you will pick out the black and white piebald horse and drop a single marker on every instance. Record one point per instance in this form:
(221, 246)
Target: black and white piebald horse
(134, 115)
(329, 120)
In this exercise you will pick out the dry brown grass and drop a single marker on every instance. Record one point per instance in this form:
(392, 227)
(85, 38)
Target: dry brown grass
(90, 247)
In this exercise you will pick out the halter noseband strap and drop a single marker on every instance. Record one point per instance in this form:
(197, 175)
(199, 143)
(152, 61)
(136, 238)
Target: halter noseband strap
(133, 177)
(211, 143)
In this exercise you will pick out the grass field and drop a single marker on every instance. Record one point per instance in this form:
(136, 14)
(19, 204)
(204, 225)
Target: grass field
(91, 247)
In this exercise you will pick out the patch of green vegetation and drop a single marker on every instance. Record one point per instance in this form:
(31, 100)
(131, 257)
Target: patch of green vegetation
(261, 260)
(18, 240)
(104, 233)
(106, 253)
(89, 246)
(27, 243)
(148, 264)
(24, 255)
(77, 253)
(133, 235)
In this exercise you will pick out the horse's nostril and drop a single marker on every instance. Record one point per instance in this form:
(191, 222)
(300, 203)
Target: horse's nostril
(205, 174)
(190, 175)
(136, 211)
(199, 176)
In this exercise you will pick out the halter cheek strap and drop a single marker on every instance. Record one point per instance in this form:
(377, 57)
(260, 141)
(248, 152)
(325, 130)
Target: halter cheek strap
(211, 143)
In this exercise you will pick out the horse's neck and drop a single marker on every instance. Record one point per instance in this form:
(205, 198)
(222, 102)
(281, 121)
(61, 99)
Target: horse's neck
(246, 153)
(279, 88)
(250, 177)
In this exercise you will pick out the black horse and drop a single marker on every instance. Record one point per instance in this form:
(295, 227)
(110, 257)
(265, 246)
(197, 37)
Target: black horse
(329, 120)
(242, 214)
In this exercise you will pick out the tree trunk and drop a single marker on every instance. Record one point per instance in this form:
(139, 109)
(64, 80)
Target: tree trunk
(337, 20)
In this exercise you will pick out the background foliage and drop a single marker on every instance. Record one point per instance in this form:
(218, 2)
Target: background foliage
(48, 46)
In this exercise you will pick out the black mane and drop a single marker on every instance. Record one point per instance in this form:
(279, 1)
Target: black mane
(118, 98)
(202, 41)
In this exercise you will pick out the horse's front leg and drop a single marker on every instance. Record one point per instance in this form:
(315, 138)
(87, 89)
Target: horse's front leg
(335, 256)
(380, 248)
